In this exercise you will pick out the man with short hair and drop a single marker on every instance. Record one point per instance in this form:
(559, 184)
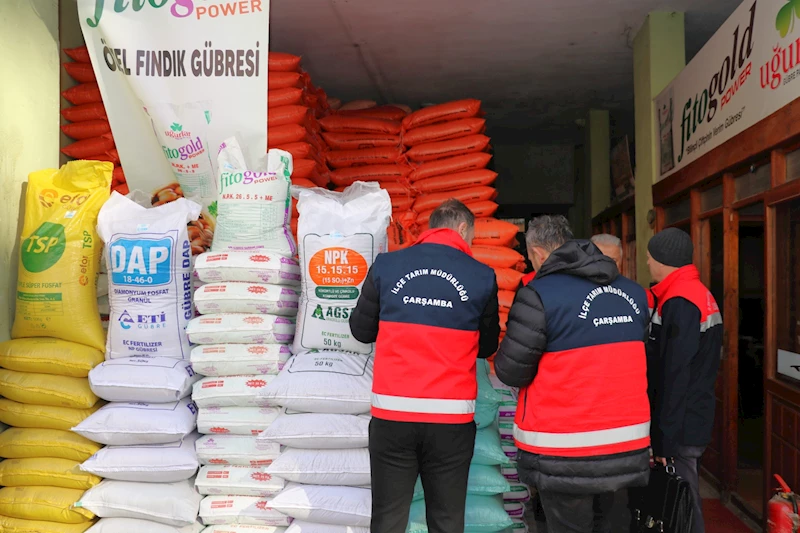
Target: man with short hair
(432, 310)
(611, 246)
(684, 351)
(574, 346)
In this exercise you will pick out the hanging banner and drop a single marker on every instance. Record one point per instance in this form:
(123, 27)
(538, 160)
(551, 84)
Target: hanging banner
(747, 71)
(177, 78)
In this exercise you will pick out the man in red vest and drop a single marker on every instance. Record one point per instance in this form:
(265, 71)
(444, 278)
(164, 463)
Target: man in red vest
(683, 355)
(432, 310)
(574, 346)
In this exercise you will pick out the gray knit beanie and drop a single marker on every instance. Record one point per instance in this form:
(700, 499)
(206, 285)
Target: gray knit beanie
(671, 247)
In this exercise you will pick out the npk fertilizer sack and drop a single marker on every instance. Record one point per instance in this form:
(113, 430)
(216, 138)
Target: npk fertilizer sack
(59, 254)
(148, 256)
(339, 235)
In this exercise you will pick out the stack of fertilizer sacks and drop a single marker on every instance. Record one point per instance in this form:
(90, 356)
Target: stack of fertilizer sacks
(88, 124)
(247, 305)
(365, 145)
(148, 426)
(295, 107)
(57, 340)
(324, 390)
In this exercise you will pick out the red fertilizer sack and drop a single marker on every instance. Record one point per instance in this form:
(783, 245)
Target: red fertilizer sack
(81, 113)
(79, 54)
(442, 113)
(88, 147)
(80, 72)
(85, 93)
(86, 129)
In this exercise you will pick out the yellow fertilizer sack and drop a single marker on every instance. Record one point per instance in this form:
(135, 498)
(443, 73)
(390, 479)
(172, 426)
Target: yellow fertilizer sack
(15, 525)
(23, 443)
(50, 504)
(60, 254)
(49, 356)
(41, 389)
(45, 471)
(19, 415)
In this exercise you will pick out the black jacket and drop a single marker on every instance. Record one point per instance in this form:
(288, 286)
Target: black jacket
(544, 320)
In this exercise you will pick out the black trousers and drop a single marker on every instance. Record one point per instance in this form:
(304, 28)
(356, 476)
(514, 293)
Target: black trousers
(573, 513)
(439, 453)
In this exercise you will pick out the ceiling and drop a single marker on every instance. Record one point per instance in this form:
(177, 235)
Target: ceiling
(538, 65)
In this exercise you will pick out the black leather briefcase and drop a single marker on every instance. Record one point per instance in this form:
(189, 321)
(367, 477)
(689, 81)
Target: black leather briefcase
(665, 506)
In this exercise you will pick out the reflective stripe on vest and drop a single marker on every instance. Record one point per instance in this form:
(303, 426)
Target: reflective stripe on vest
(432, 406)
(584, 439)
(714, 319)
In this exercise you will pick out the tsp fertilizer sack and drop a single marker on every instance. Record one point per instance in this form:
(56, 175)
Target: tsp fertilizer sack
(148, 256)
(60, 254)
(217, 360)
(236, 450)
(339, 234)
(254, 207)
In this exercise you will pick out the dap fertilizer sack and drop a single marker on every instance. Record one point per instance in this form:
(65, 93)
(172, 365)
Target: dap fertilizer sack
(60, 254)
(143, 379)
(148, 257)
(339, 234)
(254, 207)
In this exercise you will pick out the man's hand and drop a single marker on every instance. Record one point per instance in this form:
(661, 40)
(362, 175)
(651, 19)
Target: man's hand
(661, 460)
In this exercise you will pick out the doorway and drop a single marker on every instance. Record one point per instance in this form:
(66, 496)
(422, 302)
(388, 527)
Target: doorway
(750, 449)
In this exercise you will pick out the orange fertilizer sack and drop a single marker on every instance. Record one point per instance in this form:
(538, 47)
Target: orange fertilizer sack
(86, 129)
(79, 54)
(386, 112)
(281, 135)
(505, 298)
(370, 156)
(80, 72)
(303, 168)
(454, 182)
(451, 148)
(287, 96)
(347, 176)
(508, 279)
(360, 141)
(356, 105)
(428, 202)
(354, 124)
(444, 131)
(401, 203)
(82, 113)
(111, 156)
(85, 93)
(442, 113)
(287, 114)
(89, 147)
(281, 62)
(497, 256)
(283, 80)
(301, 182)
(299, 150)
(480, 209)
(494, 232)
(450, 165)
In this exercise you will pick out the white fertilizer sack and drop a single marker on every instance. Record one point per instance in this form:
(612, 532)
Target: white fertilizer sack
(259, 267)
(235, 420)
(339, 234)
(318, 431)
(239, 480)
(143, 379)
(138, 423)
(231, 391)
(254, 207)
(129, 525)
(349, 468)
(299, 526)
(151, 463)
(244, 528)
(148, 255)
(240, 510)
(240, 297)
(235, 450)
(173, 504)
(343, 506)
(241, 329)
(324, 382)
(218, 360)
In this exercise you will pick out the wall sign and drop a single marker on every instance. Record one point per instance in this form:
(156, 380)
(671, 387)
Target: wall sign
(748, 70)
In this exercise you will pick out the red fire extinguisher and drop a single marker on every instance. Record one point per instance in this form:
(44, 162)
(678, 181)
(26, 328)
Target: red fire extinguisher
(782, 515)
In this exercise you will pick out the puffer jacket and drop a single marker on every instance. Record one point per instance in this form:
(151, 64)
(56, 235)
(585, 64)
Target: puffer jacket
(575, 347)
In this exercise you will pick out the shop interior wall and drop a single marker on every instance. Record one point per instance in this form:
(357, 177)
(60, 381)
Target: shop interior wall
(70, 36)
(29, 134)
